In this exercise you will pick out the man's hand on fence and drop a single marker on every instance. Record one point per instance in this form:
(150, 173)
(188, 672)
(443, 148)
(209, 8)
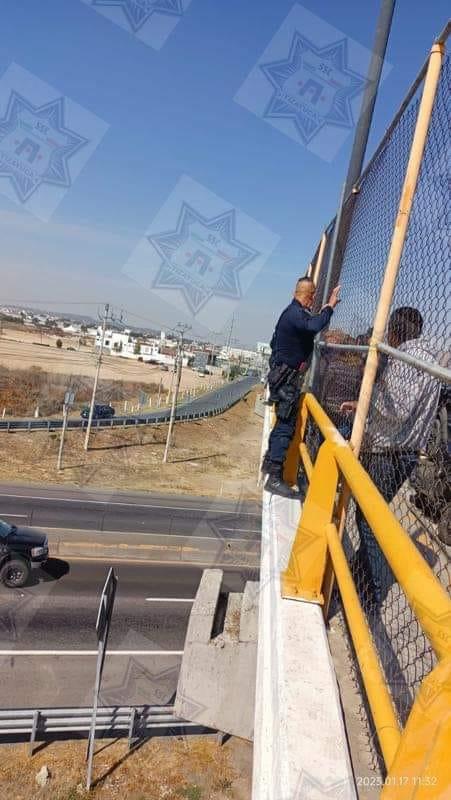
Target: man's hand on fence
(334, 297)
(348, 407)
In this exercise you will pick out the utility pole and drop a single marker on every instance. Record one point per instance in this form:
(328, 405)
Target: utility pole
(362, 131)
(174, 370)
(96, 377)
(350, 189)
(229, 341)
(179, 361)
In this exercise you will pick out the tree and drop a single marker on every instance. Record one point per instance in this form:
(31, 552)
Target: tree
(59, 344)
(137, 348)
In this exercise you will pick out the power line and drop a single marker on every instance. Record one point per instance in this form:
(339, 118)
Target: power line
(52, 302)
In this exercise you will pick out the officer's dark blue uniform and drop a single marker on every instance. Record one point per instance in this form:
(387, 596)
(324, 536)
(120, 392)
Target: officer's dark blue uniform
(292, 346)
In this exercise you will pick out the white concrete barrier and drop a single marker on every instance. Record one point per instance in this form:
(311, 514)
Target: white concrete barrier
(300, 745)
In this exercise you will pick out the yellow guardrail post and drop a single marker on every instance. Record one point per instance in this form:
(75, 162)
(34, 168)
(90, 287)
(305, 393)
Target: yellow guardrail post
(302, 580)
(422, 766)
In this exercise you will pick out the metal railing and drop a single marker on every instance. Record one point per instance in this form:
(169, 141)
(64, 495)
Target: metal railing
(44, 724)
(207, 405)
(416, 756)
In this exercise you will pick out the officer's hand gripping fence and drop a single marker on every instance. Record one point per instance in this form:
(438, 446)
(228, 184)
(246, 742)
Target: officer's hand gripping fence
(415, 743)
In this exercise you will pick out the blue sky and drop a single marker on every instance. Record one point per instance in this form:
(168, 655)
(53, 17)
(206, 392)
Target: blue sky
(171, 113)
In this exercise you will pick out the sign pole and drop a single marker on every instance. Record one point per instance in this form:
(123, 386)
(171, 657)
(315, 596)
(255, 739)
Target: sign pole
(102, 629)
(69, 398)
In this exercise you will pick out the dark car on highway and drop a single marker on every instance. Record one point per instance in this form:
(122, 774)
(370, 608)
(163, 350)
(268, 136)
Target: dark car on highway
(100, 412)
(21, 550)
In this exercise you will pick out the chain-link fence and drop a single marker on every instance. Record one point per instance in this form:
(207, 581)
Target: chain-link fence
(405, 446)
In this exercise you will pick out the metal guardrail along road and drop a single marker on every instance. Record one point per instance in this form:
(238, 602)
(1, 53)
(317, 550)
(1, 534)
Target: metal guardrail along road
(18, 724)
(208, 405)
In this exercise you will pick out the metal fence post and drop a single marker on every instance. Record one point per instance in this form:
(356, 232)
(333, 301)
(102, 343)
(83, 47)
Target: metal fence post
(131, 727)
(390, 276)
(34, 729)
(329, 266)
(319, 261)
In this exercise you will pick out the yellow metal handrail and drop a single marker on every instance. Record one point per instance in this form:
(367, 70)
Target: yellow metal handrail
(409, 754)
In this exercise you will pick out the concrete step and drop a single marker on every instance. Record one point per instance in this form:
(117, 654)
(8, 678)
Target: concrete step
(249, 612)
(232, 618)
(217, 678)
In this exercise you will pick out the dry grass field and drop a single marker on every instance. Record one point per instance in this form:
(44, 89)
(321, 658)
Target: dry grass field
(22, 390)
(158, 769)
(216, 457)
(22, 349)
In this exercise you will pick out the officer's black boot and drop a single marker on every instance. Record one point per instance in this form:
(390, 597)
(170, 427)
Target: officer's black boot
(276, 484)
(266, 464)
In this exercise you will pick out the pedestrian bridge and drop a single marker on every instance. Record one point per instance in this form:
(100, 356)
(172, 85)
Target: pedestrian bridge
(337, 663)
(398, 638)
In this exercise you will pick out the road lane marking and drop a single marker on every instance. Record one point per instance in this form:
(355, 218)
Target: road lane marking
(169, 535)
(228, 566)
(170, 599)
(241, 530)
(7, 514)
(127, 505)
(90, 652)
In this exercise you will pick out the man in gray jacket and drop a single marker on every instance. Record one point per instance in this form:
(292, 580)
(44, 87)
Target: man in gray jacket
(403, 408)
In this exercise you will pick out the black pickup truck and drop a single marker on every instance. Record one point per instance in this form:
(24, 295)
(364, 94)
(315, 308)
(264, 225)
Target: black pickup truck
(21, 550)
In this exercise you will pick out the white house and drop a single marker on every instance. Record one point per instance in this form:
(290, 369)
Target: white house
(72, 327)
(264, 348)
(129, 345)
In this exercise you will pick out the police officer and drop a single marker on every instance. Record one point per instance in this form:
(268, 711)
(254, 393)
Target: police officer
(291, 346)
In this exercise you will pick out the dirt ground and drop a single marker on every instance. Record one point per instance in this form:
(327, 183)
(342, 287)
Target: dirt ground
(27, 352)
(159, 769)
(215, 457)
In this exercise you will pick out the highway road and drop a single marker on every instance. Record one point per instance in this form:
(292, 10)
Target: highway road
(209, 404)
(183, 515)
(47, 633)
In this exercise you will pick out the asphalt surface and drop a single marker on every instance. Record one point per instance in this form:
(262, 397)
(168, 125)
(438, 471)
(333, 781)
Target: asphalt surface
(183, 515)
(55, 620)
(47, 630)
